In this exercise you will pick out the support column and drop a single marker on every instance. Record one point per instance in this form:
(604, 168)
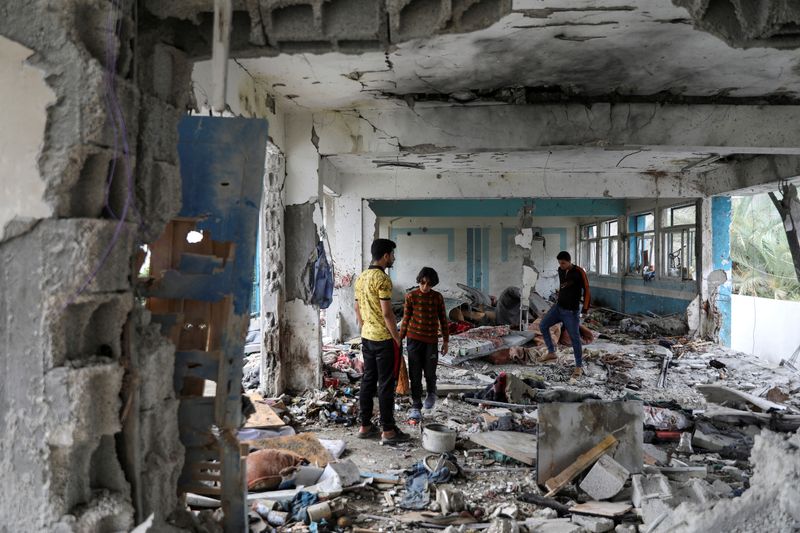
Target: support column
(272, 283)
(717, 282)
(346, 242)
(300, 341)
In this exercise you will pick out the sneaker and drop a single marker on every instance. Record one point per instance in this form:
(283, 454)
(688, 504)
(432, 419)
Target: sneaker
(394, 437)
(430, 400)
(368, 432)
(414, 414)
(550, 356)
(577, 373)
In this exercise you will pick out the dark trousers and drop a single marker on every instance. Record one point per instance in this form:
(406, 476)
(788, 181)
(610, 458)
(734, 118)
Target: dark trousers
(381, 367)
(572, 322)
(423, 357)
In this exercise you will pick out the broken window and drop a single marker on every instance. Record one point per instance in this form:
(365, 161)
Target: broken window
(641, 244)
(588, 248)
(678, 230)
(609, 247)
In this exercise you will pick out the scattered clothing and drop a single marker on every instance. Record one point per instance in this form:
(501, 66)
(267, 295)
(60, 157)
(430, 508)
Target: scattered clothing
(417, 480)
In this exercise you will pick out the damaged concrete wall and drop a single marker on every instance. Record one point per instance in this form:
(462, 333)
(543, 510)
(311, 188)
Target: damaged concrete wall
(70, 376)
(494, 264)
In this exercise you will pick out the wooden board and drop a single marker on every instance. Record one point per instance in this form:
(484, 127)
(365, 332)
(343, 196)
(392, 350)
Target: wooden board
(609, 509)
(584, 461)
(264, 417)
(306, 445)
(519, 446)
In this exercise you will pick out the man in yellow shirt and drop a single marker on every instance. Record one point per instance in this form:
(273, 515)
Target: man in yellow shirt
(380, 344)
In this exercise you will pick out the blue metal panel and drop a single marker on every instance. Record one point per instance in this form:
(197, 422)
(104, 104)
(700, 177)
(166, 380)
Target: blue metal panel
(222, 166)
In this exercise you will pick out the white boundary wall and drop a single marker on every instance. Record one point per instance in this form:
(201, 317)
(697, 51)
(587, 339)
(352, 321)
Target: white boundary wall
(769, 329)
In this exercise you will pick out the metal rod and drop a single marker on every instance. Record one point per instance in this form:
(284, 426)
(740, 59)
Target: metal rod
(220, 49)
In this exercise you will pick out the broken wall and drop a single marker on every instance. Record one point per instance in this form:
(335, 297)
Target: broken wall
(475, 251)
(71, 382)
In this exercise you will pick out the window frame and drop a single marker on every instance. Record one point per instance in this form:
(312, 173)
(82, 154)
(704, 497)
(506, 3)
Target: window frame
(584, 256)
(632, 239)
(688, 233)
(612, 243)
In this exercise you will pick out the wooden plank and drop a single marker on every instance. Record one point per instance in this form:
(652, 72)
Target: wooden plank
(306, 445)
(583, 462)
(264, 417)
(607, 509)
(519, 446)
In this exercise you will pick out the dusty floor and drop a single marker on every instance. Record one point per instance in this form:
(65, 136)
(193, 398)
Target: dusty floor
(496, 493)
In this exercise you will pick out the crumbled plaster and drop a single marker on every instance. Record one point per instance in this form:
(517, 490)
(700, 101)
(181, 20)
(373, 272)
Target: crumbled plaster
(26, 97)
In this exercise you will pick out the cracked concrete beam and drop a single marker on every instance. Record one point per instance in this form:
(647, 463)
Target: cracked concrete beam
(749, 175)
(702, 128)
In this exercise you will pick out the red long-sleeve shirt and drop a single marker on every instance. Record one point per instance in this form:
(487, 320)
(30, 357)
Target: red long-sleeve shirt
(423, 316)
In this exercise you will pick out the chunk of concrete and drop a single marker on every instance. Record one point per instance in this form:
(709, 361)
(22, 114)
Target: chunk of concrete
(605, 479)
(713, 442)
(557, 525)
(655, 453)
(649, 486)
(593, 524)
(697, 491)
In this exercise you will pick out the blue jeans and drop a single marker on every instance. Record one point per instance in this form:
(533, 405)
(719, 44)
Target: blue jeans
(572, 321)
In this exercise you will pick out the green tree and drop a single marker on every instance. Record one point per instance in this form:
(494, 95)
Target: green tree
(762, 262)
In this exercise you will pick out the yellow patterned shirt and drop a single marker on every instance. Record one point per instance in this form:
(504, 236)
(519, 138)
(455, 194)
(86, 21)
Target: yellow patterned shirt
(372, 286)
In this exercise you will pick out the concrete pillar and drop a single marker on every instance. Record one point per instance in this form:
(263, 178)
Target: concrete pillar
(716, 282)
(301, 350)
(345, 234)
(272, 282)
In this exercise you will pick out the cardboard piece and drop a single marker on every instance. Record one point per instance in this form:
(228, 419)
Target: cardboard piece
(304, 444)
(567, 430)
(519, 446)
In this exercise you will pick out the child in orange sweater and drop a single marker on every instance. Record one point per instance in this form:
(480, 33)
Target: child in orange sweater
(423, 317)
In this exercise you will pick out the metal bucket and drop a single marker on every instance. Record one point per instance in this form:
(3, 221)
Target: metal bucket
(438, 438)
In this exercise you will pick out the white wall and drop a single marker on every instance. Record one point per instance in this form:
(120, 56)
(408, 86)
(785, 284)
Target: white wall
(431, 249)
(764, 327)
(26, 97)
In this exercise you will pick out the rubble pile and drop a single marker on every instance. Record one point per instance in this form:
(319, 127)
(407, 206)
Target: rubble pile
(664, 433)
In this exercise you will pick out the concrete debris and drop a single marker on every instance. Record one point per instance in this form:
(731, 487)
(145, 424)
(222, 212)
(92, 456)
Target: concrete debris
(605, 479)
(674, 448)
(593, 524)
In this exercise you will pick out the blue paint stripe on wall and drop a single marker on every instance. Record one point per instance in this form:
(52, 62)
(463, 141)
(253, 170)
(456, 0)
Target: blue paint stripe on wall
(721, 252)
(634, 302)
(485, 262)
(500, 207)
(470, 258)
(507, 235)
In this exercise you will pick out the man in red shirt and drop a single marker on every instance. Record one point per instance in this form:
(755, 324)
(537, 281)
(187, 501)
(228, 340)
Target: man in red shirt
(573, 285)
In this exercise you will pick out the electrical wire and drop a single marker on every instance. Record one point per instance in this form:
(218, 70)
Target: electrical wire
(120, 134)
